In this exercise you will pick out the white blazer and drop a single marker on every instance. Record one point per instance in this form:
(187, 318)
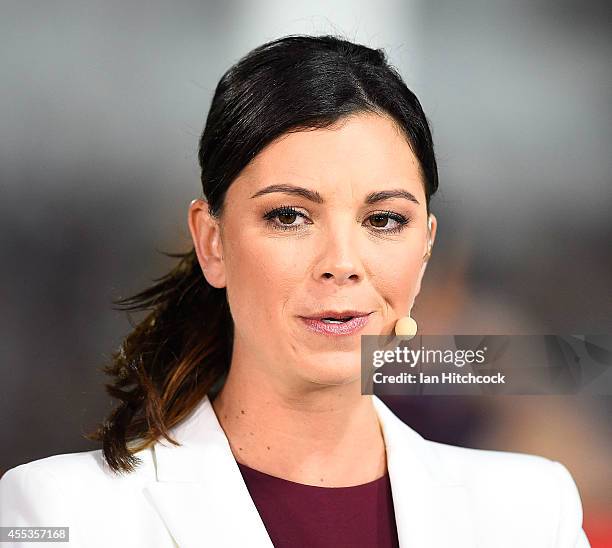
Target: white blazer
(194, 495)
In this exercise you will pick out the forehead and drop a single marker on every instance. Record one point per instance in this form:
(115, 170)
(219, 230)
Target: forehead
(360, 153)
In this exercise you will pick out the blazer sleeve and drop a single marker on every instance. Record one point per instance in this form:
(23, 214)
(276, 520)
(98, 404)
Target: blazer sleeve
(570, 533)
(33, 497)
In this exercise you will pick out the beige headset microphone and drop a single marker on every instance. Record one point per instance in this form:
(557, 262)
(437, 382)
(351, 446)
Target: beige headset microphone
(406, 327)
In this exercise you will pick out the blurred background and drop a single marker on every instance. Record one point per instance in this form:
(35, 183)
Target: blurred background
(101, 107)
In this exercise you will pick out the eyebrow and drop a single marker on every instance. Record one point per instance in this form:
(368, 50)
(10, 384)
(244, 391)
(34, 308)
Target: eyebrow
(314, 196)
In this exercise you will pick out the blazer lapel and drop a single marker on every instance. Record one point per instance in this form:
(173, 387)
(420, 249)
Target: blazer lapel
(431, 505)
(202, 498)
(200, 494)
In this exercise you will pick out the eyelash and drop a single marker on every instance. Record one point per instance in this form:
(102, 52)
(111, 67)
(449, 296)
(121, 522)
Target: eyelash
(288, 210)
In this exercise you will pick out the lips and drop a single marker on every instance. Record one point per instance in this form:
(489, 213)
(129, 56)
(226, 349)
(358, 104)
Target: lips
(346, 322)
(337, 315)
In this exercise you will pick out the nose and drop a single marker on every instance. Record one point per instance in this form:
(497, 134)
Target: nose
(339, 261)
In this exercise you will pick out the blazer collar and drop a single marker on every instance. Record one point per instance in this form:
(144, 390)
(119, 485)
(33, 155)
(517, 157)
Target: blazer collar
(201, 496)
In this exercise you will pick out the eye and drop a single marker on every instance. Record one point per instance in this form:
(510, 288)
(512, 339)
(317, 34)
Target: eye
(284, 217)
(381, 220)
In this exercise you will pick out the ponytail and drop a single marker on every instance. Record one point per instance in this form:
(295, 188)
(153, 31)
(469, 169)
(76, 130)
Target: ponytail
(179, 353)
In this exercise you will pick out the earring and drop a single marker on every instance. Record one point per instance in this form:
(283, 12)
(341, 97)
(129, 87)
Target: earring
(406, 327)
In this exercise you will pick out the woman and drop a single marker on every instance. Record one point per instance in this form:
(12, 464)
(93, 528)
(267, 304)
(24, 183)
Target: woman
(241, 420)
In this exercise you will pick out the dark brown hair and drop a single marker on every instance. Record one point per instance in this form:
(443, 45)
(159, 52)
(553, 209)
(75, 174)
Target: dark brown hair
(181, 350)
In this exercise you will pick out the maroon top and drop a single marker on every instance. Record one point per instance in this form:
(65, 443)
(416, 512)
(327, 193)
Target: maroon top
(298, 515)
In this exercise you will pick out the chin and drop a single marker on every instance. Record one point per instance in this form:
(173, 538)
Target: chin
(336, 369)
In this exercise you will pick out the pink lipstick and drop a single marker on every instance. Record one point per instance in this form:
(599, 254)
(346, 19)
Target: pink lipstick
(336, 326)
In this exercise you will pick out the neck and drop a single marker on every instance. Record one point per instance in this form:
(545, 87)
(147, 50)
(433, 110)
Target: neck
(326, 436)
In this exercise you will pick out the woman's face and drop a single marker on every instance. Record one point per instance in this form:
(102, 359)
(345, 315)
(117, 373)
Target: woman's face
(321, 242)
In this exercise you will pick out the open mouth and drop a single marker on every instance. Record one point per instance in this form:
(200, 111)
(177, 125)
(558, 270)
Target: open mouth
(344, 325)
(337, 320)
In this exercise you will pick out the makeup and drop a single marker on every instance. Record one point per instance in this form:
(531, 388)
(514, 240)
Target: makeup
(335, 327)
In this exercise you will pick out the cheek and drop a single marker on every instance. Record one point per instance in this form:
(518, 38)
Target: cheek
(396, 280)
(261, 275)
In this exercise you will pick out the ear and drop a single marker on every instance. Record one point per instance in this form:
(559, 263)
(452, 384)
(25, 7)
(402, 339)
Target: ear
(431, 237)
(206, 236)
